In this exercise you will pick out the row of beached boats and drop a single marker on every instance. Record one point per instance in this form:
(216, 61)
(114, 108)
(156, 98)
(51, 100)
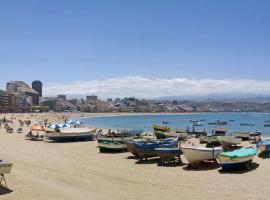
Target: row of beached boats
(169, 149)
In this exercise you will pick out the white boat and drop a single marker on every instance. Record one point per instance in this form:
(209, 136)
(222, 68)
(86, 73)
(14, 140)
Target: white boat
(229, 141)
(64, 134)
(197, 154)
(197, 124)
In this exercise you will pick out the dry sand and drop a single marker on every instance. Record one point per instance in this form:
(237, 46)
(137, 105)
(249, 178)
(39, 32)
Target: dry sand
(66, 171)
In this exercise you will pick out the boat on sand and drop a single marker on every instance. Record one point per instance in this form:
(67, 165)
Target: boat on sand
(242, 135)
(263, 145)
(197, 154)
(113, 141)
(161, 128)
(147, 149)
(70, 134)
(168, 155)
(236, 159)
(227, 141)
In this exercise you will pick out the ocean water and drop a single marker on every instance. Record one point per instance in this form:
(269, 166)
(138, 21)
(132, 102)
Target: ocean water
(145, 122)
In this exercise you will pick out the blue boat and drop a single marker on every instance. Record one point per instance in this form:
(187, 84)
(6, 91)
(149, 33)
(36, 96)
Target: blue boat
(147, 149)
(263, 145)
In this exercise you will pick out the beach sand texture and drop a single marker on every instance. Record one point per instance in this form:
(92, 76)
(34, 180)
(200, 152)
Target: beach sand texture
(69, 171)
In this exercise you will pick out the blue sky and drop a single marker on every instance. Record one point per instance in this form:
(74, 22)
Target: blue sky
(62, 42)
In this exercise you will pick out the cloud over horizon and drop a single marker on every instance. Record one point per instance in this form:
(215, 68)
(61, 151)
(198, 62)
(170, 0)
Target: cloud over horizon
(143, 87)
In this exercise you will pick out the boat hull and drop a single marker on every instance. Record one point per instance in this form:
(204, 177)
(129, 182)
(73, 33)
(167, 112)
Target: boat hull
(161, 128)
(231, 164)
(113, 143)
(147, 150)
(168, 154)
(243, 136)
(193, 154)
(71, 134)
(229, 141)
(263, 145)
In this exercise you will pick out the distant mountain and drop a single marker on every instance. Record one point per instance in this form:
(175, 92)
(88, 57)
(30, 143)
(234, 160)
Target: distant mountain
(219, 97)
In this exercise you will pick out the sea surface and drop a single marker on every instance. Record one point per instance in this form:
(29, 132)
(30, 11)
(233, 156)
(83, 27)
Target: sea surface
(145, 122)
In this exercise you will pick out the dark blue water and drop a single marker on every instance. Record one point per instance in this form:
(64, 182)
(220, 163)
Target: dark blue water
(145, 122)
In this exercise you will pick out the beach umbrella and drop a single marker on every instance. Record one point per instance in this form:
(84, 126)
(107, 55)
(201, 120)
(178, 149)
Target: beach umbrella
(66, 126)
(70, 121)
(60, 125)
(54, 126)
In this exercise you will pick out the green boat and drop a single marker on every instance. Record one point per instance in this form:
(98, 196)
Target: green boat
(109, 143)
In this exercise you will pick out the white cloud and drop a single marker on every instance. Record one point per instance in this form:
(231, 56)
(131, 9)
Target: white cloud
(142, 87)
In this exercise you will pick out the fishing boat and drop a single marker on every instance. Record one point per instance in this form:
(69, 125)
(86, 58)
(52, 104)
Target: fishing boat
(212, 140)
(242, 135)
(166, 155)
(222, 123)
(198, 154)
(247, 124)
(263, 145)
(219, 132)
(147, 149)
(161, 128)
(255, 136)
(131, 148)
(70, 134)
(180, 133)
(266, 125)
(135, 132)
(130, 145)
(236, 159)
(113, 141)
(196, 133)
(197, 124)
(227, 141)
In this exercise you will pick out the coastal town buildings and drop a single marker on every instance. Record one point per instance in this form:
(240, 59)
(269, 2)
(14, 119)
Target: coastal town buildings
(20, 97)
(4, 101)
(37, 86)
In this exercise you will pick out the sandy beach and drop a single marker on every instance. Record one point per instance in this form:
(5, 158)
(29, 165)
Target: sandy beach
(76, 170)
